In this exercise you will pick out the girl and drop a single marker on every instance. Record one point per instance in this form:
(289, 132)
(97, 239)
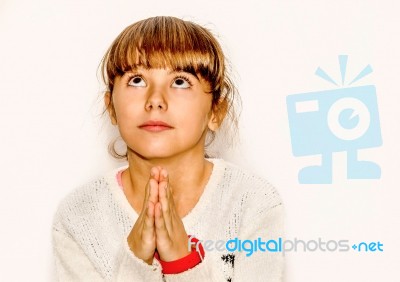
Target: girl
(169, 214)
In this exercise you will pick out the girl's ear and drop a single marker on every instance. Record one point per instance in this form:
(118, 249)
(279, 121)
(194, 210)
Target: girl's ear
(213, 122)
(110, 108)
(217, 115)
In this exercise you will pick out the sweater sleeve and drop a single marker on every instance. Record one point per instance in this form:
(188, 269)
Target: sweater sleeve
(72, 264)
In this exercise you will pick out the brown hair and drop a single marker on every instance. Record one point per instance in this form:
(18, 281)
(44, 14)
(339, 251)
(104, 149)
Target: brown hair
(169, 42)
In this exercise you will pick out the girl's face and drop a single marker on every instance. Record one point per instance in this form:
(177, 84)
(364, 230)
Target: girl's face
(161, 113)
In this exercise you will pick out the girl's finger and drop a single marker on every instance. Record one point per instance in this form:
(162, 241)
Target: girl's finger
(148, 226)
(163, 174)
(171, 202)
(153, 191)
(160, 226)
(147, 190)
(165, 205)
(150, 194)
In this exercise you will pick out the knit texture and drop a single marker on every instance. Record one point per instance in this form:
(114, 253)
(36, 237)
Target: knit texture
(92, 223)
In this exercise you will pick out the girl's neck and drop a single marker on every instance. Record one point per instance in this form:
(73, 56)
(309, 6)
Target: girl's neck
(188, 173)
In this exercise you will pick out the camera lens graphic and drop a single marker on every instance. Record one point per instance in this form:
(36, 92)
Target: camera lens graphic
(348, 118)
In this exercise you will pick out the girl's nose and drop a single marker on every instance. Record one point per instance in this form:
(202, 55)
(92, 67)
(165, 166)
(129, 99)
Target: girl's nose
(156, 101)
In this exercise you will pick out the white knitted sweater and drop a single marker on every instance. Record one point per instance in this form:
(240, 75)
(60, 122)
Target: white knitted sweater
(92, 223)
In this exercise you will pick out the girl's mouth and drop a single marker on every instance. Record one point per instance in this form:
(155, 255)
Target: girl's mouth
(155, 126)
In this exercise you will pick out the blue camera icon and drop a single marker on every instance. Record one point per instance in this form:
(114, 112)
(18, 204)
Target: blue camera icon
(323, 122)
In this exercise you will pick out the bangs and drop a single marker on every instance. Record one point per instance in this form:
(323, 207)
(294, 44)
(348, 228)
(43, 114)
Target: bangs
(166, 42)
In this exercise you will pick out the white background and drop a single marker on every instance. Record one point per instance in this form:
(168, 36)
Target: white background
(53, 138)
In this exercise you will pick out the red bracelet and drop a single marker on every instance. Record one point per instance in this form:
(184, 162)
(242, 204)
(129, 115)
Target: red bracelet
(185, 263)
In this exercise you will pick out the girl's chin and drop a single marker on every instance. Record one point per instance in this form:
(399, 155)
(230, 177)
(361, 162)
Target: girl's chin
(152, 154)
(163, 150)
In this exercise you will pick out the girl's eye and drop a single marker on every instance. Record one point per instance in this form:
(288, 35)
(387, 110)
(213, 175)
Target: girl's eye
(181, 82)
(137, 81)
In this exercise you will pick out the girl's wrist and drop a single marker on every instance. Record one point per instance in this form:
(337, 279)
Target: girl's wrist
(173, 256)
(185, 263)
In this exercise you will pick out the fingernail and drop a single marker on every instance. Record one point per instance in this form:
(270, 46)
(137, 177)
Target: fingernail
(165, 173)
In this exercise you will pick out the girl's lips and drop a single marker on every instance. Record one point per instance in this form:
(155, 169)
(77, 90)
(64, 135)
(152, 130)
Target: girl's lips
(155, 122)
(155, 128)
